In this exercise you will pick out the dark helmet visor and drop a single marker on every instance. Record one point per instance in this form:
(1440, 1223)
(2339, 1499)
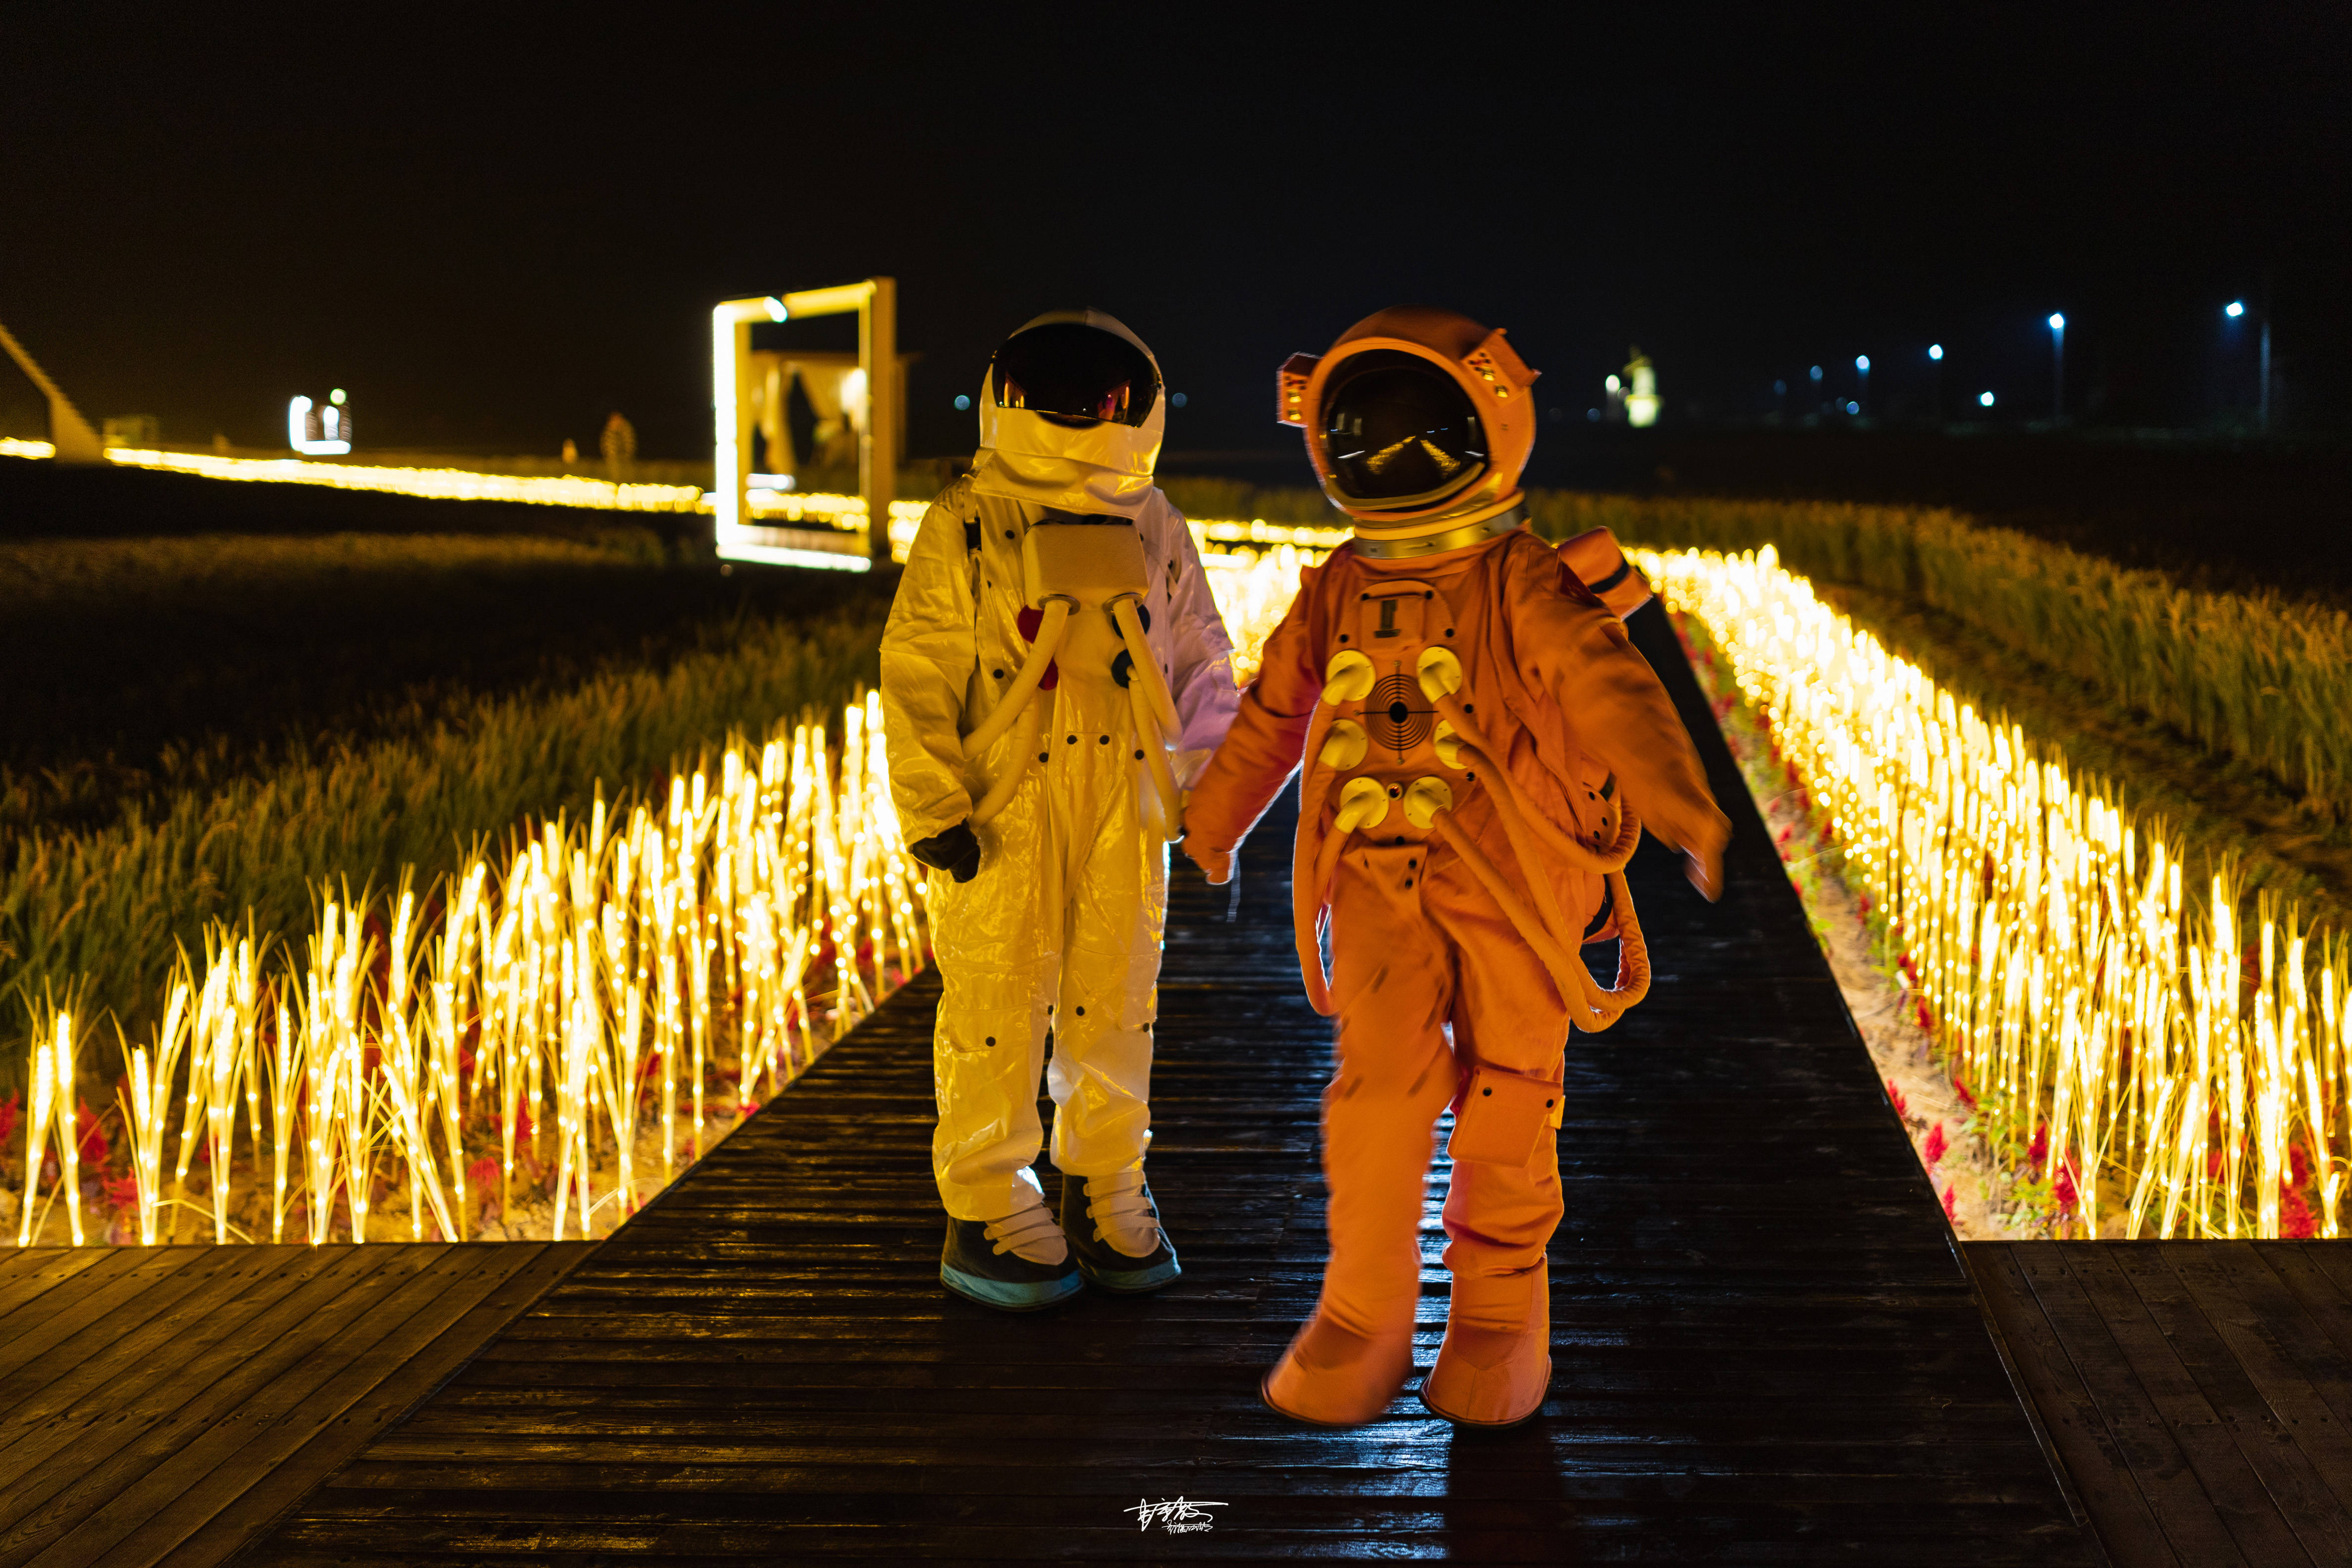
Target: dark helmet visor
(1076, 371)
(1396, 428)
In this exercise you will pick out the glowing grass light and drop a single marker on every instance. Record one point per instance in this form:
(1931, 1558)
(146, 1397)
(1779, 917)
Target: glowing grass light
(549, 1014)
(2133, 1029)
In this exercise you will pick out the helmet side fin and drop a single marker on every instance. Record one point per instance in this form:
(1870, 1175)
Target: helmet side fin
(1290, 391)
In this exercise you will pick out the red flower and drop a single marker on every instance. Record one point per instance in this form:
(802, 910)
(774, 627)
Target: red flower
(2298, 1158)
(1962, 1090)
(2061, 1186)
(2039, 1149)
(1934, 1148)
(93, 1147)
(122, 1192)
(1895, 1095)
(1952, 1205)
(11, 1110)
(2296, 1222)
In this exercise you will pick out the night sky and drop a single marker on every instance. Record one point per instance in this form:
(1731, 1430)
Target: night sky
(493, 228)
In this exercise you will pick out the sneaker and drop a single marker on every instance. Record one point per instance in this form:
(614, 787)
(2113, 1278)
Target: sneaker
(1017, 1264)
(1114, 1232)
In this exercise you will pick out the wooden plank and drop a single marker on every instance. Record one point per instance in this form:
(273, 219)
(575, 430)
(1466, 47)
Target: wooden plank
(370, 1397)
(80, 1461)
(226, 1458)
(117, 1358)
(2237, 1486)
(2333, 1258)
(2280, 1344)
(2103, 1477)
(2148, 1440)
(34, 1271)
(131, 1370)
(2296, 1265)
(2179, 1280)
(30, 1353)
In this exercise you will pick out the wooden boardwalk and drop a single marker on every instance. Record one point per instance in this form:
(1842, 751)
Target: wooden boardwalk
(2199, 1392)
(1768, 1349)
(168, 1404)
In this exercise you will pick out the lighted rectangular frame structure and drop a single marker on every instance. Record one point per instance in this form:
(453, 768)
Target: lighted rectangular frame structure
(875, 300)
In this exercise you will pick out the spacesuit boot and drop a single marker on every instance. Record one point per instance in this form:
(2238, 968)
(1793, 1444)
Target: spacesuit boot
(1496, 1361)
(1337, 1376)
(1481, 746)
(1053, 672)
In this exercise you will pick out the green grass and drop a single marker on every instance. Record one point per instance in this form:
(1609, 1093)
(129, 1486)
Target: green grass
(140, 668)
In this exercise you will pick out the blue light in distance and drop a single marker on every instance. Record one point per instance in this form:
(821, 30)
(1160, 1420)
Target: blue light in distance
(1935, 351)
(1861, 363)
(1817, 373)
(1175, 400)
(2057, 323)
(1984, 399)
(963, 401)
(1853, 407)
(2234, 308)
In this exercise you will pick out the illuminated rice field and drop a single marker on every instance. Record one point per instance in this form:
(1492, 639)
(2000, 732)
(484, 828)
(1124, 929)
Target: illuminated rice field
(2123, 1033)
(534, 1047)
(544, 1041)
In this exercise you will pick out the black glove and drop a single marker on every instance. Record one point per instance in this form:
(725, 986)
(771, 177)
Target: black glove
(956, 852)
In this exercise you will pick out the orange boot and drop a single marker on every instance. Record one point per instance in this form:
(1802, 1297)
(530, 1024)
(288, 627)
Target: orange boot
(1335, 1376)
(1495, 1364)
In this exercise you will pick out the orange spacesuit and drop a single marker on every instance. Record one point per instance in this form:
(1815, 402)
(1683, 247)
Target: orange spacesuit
(1482, 746)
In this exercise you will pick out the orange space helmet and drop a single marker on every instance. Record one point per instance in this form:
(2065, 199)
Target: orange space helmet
(1418, 421)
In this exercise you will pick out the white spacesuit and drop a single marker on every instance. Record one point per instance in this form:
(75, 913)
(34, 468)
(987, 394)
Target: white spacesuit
(1039, 762)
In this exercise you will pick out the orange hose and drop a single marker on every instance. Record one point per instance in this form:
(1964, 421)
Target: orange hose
(1579, 857)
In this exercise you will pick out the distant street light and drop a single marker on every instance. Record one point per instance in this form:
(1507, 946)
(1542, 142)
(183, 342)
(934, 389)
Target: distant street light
(2233, 310)
(1935, 351)
(1936, 383)
(1862, 368)
(2057, 367)
(1984, 400)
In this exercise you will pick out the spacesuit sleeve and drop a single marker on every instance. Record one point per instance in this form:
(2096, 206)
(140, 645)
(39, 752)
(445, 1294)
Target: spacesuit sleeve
(1578, 651)
(928, 655)
(1269, 733)
(1595, 560)
(1204, 686)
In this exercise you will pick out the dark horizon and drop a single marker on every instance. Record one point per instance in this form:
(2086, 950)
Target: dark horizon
(493, 233)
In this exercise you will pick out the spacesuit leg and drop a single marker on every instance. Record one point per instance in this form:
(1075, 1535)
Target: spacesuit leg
(997, 959)
(1495, 1363)
(1117, 897)
(1392, 982)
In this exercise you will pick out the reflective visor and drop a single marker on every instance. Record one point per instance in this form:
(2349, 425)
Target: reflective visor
(1398, 429)
(1074, 371)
